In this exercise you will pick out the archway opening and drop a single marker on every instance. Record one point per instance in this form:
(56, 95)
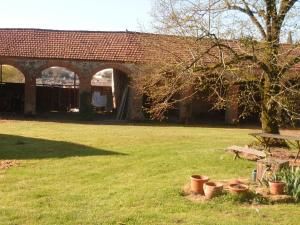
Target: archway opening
(57, 90)
(12, 86)
(110, 93)
(203, 111)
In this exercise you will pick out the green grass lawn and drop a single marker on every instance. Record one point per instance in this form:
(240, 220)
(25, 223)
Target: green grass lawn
(122, 174)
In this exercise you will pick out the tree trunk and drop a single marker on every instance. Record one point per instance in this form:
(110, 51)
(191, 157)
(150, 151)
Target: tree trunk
(269, 114)
(270, 108)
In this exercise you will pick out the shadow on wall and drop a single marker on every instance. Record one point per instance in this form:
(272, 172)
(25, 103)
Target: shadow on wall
(18, 147)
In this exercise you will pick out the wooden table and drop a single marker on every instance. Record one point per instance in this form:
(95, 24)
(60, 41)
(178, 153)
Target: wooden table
(265, 139)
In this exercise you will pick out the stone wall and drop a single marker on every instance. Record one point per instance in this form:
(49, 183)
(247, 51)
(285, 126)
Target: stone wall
(125, 75)
(32, 68)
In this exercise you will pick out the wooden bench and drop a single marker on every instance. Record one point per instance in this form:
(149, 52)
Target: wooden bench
(251, 151)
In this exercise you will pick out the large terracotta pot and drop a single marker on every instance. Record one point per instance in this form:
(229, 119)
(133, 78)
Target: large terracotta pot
(197, 182)
(212, 189)
(276, 187)
(238, 188)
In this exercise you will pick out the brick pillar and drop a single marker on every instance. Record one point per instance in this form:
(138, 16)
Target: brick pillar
(135, 104)
(30, 96)
(232, 105)
(185, 107)
(121, 81)
(85, 104)
(185, 112)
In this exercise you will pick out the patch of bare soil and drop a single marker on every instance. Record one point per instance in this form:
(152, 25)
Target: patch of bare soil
(253, 188)
(284, 154)
(295, 132)
(248, 156)
(277, 153)
(6, 164)
(272, 198)
(189, 195)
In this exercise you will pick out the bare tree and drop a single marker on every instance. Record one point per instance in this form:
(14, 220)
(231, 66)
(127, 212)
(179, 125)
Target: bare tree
(213, 45)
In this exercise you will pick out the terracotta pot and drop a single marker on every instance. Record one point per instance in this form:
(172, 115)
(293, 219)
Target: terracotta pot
(197, 182)
(236, 181)
(276, 187)
(212, 189)
(238, 188)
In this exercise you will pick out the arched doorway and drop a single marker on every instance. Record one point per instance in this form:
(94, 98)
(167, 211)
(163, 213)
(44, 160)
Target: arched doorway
(57, 90)
(12, 85)
(110, 93)
(202, 109)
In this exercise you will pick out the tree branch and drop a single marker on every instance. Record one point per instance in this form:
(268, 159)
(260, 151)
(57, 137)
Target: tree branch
(290, 64)
(248, 12)
(241, 57)
(285, 7)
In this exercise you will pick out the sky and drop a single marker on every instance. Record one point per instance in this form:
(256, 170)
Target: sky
(104, 15)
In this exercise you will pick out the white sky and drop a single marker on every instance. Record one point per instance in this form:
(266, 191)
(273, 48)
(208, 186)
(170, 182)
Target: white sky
(110, 15)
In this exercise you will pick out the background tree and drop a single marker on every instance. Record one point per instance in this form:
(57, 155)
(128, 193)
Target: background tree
(11, 75)
(221, 43)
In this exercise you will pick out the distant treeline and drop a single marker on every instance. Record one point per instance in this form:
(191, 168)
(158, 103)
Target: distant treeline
(11, 75)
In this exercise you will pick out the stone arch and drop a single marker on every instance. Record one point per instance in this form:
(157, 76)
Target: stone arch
(12, 92)
(60, 63)
(15, 65)
(117, 66)
(57, 95)
(112, 94)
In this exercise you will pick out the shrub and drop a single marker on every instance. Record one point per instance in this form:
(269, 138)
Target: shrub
(291, 177)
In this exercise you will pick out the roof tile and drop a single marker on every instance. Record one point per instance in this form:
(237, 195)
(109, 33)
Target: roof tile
(82, 45)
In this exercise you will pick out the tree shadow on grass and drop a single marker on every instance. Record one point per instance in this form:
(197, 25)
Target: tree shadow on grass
(18, 147)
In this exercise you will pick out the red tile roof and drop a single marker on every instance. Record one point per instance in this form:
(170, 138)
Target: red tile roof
(106, 46)
(82, 45)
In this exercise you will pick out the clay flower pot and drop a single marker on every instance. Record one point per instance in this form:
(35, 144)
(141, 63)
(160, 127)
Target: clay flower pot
(236, 181)
(197, 182)
(276, 187)
(238, 188)
(212, 189)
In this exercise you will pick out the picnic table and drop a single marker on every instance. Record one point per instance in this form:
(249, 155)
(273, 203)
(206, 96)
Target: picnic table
(265, 139)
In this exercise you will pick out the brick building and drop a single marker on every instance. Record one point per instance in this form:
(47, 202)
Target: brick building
(86, 53)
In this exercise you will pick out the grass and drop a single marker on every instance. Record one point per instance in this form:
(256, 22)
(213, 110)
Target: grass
(122, 174)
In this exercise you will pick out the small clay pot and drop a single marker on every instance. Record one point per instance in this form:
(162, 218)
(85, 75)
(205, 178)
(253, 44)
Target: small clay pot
(238, 188)
(197, 182)
(276, 187)
(236, 181)
(212, 189)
